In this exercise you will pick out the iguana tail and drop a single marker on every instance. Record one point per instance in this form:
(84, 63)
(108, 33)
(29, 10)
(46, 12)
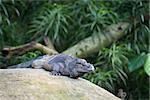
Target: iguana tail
(22, 65)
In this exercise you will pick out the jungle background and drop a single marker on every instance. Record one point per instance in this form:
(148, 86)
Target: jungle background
(125, 64)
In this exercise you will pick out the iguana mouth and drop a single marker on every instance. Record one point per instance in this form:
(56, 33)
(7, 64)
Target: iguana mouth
(92, 69)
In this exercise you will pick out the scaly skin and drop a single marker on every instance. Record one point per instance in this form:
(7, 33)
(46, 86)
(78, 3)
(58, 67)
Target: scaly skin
(60, 64)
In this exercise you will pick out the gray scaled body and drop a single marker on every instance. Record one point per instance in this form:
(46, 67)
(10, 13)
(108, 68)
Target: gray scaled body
(60, 64)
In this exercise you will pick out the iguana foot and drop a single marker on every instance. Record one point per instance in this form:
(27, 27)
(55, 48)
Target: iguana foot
(55, 73)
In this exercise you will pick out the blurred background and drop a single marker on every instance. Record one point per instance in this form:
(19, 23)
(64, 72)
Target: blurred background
(122, 67)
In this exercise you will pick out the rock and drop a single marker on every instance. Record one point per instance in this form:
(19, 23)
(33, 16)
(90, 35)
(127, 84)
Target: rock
(37, 84)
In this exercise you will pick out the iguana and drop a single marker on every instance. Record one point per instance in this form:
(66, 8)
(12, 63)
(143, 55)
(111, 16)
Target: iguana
(59, 64)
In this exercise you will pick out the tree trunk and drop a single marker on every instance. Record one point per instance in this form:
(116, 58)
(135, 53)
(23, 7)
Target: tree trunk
(98, 41)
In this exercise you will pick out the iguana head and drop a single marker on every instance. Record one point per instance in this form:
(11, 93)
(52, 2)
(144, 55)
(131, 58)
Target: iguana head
(83, 66)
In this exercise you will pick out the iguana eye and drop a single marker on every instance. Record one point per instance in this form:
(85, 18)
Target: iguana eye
(80, 65)
(88, 66)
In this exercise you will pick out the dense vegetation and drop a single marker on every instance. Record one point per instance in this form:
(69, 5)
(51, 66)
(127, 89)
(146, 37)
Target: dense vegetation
(122, 65)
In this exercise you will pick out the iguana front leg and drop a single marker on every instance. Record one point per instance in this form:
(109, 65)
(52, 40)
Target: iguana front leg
(44, 64)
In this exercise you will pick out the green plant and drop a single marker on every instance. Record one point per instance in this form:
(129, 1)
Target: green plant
(136, 11)
(8, 11)
(103, 78)
(53, 22)
(92, 17)
(24, 58)
(124, 64)
(139, 61)
(112, 63)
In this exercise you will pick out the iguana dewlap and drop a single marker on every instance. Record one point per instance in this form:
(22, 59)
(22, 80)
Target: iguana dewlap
(60, 64)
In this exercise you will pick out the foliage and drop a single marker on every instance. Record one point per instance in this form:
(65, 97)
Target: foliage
(137, 62)
(96, 14)
(23, 58)
(53, 22)
(113, 62)
(67, 22)
(139, 30)
(59, 21)
(127, 61)
(6, 10)
(137, 86)
(103, 78)
(147, 64)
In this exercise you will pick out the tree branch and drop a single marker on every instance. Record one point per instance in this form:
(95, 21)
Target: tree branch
(11, 51)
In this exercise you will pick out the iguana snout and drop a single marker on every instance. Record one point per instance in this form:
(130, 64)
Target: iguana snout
(83, 66)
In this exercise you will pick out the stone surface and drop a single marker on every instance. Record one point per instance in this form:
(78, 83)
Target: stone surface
(37, 84)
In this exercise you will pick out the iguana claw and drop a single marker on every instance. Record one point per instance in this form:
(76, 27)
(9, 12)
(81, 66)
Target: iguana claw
(55, 73)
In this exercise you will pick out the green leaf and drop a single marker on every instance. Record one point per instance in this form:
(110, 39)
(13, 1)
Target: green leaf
(4, 9)
(137, 62)
(147, 65)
